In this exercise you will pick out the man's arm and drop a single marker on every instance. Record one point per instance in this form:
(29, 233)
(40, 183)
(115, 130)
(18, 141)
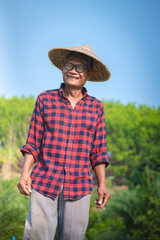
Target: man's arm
(103, 195)
(24, 183)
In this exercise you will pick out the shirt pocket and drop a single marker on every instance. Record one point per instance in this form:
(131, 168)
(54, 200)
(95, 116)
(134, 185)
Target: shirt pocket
(81, 173)
(87, 122)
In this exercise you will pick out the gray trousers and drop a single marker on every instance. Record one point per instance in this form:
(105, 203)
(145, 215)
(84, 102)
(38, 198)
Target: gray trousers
(41, 221)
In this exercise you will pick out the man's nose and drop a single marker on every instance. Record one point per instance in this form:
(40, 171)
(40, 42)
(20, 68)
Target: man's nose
(73, 70)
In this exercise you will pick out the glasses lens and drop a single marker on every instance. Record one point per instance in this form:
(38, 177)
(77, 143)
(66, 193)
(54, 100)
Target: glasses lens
(80, 68)
(68, 65)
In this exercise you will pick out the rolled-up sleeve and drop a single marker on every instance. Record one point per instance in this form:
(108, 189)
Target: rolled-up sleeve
(36, 129)
(99, 148)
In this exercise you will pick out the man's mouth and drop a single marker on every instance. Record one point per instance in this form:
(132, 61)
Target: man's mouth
(72, 77)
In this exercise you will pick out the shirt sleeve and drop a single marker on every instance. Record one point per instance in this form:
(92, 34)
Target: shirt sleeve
(99, 147)
(35, 133)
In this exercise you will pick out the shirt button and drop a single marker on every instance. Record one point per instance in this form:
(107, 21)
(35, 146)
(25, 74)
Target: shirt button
(66, 167)
(70, 141)
(71, 128)
(67, 103)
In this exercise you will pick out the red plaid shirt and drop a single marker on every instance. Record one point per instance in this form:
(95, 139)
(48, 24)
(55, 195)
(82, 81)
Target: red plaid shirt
(64, 141)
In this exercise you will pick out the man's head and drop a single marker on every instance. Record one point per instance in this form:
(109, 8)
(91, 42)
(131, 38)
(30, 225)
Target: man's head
(77, 69)
(100, 72)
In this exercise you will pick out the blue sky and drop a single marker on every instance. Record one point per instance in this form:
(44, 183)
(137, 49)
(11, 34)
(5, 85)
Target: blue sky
(124, 34)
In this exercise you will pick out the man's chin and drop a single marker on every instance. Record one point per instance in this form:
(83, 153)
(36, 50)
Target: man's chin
(72, 83)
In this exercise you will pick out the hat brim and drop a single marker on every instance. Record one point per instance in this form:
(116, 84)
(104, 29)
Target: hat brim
(100, 72)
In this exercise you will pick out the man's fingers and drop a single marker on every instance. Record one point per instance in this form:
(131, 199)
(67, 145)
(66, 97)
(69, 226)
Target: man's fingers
(28, 189)
(24, 185)
(96, 201)
(101, 204)
(24, 189)
(100, 200)
(105, 200)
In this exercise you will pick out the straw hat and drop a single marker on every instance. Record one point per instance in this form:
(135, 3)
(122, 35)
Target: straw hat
(100, 71)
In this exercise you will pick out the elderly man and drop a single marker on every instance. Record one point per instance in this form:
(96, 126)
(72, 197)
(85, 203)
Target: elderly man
(67, 133)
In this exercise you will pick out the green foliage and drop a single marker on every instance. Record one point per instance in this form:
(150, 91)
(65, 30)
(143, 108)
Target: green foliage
(133, 136)
(130, 214)
(15, 114)
(13, 210)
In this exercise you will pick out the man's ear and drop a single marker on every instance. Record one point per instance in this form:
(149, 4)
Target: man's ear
(89, 75)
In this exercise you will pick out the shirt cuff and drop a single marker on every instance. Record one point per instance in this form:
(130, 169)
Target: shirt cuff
(99, 158)
(32, 149)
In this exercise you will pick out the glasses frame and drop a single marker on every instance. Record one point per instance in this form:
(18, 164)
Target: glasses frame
(73, 65)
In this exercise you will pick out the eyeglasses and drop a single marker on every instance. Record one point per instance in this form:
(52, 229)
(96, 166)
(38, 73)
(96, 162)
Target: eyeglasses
(79, 67)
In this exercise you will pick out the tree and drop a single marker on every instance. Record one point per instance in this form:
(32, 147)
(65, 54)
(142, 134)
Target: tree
(133, 137)
(15, 115)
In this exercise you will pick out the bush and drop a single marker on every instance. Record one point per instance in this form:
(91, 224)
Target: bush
(13, 210)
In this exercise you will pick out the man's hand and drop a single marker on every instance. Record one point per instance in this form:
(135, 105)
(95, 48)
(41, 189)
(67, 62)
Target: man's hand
(24, 184)
(103, 196)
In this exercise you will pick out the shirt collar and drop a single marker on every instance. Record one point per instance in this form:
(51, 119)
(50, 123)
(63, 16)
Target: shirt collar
(61, 91)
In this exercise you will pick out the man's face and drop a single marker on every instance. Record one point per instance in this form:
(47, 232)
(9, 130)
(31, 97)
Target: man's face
(72, 78)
